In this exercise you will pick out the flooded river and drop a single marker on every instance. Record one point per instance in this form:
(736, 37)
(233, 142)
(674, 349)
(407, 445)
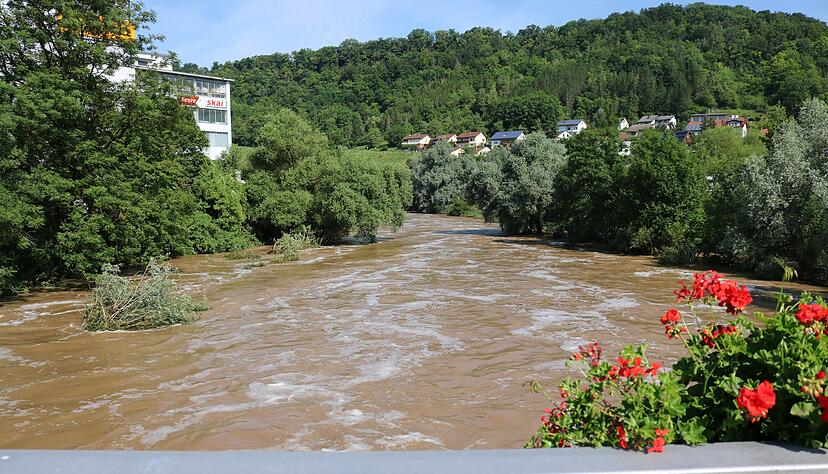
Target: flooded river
(421, 341)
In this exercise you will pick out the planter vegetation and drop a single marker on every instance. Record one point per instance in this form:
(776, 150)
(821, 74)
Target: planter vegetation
(743, 379)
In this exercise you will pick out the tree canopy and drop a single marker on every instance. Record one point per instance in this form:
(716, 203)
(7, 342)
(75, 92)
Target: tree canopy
(665, 59)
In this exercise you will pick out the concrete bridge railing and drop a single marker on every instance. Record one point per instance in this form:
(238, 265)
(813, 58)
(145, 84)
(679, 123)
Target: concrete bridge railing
(730, 458)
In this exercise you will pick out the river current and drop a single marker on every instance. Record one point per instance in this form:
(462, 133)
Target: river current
(424, 340)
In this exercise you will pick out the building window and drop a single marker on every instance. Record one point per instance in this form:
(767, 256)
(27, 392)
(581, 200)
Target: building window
(212, 116)
(218, 139)
(201, 87)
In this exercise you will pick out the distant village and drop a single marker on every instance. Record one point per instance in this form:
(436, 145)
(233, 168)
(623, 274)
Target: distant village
(477, 143)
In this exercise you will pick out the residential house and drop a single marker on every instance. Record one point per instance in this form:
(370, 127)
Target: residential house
(418, 141)
(694, 127)
(448, 138)
(623, 124)
(457, 151)
(507, 138)
(638, 128)
(566, 128)
(666, 121)
(685, 136)
(647, 120)
(474, 139)
(482, 151)
(697, 121)
(711, 117)
(734, 121)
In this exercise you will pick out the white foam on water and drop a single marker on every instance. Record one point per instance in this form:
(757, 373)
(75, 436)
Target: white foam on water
(620, 302)
(408, 438)
(31, 311)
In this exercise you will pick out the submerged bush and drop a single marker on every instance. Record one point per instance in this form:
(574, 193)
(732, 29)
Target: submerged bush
(288, 246)
(147, 301)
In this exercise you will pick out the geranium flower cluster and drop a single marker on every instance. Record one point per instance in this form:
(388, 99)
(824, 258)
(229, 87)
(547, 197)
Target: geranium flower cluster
(709, 286)
(628, 369)
(814, 317)
(590, 352)
(709, 335)
(670, 320)
(634, 405)
(551, 418)
(658, 442)
(757, 401)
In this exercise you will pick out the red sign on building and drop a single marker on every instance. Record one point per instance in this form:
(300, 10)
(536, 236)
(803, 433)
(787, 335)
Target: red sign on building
(190, 101)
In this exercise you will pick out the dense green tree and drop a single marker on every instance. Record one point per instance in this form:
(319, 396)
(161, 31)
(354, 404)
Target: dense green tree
(781, 212)
(537, 112)
(527, 184)
(295, 179)
(661, 190)
(93, 171)
(584, 190)
(440, 178)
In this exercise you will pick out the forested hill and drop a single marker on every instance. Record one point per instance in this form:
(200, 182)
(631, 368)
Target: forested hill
(667, 59)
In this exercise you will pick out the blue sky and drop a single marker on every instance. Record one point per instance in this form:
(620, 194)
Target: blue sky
(203, 31)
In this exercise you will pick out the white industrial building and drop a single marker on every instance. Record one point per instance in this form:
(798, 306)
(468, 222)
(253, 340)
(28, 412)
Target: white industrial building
(208, 96)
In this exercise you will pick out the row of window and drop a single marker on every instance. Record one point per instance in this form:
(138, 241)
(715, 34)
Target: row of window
(201, 87)
(211, 116)
(218, 139)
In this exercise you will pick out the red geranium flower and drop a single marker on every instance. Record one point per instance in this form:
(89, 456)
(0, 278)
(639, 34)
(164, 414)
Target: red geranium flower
(622, 436)
(808, 313)
(659, 442)
(757, 401)
(671, 316)
(823, 403)
(734, 298)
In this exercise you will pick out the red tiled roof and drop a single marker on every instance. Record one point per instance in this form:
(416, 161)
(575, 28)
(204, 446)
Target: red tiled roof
(468, 135)
(417, 136)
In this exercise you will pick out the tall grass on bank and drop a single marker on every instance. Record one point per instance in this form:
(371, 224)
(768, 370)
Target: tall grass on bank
(288, 246)
(149, 300)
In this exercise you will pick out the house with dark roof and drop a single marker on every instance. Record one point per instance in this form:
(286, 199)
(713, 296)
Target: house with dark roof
(507, 138)
(685, 137)
(666, 121)
(694, 127)
(712, 117)
(570, 127)
(475, 139)
(418, 141)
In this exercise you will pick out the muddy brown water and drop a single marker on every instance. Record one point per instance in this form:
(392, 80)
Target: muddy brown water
(421, 341)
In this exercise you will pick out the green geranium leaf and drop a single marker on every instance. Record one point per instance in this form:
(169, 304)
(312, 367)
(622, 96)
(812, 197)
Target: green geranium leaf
(803, 409)
(692, 432)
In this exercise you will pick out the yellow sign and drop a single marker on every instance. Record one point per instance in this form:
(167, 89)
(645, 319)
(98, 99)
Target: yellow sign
(126, 28)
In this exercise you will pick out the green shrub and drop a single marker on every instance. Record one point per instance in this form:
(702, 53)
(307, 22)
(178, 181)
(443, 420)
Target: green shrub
(149, 300)
(288, 246)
